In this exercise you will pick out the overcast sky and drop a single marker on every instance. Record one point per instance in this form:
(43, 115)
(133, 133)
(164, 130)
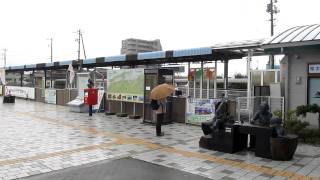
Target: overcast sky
(27, 24)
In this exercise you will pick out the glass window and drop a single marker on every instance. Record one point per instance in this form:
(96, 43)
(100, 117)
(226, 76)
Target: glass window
(268, 77)
(150, 83)
(256, 78)
(313, 91)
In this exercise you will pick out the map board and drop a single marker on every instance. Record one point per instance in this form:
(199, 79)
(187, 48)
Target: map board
(125, 85)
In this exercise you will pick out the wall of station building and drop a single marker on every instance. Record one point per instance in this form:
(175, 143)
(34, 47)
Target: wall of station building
(295, 77)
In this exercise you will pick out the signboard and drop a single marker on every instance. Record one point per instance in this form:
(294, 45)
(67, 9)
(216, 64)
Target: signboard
(125, 85)
(82, 83)
(43, 87)
(200, 110)
(50, 96)
(100, 96)
(175, 68)
(2, 76)
(23, 92)
(314, 68)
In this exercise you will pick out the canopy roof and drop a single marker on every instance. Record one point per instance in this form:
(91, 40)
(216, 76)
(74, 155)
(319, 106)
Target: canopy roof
(295, 36)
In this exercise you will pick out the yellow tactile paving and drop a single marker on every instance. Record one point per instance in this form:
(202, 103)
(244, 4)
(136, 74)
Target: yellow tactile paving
(55, 154)
(122, 139)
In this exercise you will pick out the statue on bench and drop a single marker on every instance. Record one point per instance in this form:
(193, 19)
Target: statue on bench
(220, 118)
(263, 116)
(215, 135)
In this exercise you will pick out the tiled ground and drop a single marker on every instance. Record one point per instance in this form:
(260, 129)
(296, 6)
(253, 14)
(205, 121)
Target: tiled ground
(37, 138)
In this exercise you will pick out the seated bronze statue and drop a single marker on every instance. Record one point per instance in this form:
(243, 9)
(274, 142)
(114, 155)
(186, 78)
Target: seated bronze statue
(220, 118)
(263, 116)
(277, 128)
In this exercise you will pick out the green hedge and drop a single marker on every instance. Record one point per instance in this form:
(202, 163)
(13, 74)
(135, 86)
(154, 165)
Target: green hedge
(295, 126)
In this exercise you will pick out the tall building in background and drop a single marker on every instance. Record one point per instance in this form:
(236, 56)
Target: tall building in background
(133, 46)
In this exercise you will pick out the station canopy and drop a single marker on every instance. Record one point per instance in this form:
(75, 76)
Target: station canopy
(298, 36)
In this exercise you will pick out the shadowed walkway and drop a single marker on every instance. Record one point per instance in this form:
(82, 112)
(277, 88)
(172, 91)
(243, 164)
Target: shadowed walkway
(120, 169)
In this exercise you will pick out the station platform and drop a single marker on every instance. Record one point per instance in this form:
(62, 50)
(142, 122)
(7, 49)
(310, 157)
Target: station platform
(38, 139)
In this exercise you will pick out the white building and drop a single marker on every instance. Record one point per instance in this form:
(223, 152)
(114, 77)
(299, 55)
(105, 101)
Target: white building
(134, 46)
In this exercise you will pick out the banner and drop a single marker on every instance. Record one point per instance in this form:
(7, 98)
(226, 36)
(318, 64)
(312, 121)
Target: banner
(2, 76)
(198, 73)
(125, 85)
(50, 96)
(23, 92)
(200, 110)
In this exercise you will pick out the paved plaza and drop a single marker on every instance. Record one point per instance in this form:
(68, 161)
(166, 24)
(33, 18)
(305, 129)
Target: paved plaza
(37, 138)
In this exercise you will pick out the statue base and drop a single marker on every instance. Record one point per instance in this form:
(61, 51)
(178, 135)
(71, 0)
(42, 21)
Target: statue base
(109, 113)
(134, 117)
(206, 142)
(122, 115)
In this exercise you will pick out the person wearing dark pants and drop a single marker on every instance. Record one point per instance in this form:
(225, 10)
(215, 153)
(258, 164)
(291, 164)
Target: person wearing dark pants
(159, 120)
(160, 115)
(90, 86)
(90, 110)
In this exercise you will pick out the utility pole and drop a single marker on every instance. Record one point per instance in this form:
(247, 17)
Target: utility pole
(51, 49)
(272, 9)
(4, 58)
(79, 36)
(80, 40)
(51, 59)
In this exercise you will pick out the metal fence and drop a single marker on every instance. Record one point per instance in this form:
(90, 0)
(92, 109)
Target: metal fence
(247, 107)
(233, 94)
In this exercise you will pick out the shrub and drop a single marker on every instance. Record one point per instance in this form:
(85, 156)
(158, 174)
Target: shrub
(303, 109)
(295, 126)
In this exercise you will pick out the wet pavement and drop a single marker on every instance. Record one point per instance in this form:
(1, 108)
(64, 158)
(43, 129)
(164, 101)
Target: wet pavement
(37, 138)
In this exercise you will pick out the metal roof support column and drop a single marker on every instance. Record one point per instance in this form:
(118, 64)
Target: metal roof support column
(188, 88)
(249, 58)
(225, 87)
(201, 80)
(45, 79)
(21, 78)
(33, 79)
(51, 78)
(215, 79)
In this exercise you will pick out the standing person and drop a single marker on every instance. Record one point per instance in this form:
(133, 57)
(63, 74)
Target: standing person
(90, 86)
(159, 109)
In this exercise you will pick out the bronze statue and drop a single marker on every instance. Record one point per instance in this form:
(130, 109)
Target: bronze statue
(263, 116)
(220, 118)
(277, 128)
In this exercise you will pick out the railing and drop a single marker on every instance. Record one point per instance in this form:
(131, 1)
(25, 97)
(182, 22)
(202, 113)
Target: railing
(195, 93)
(247, 107)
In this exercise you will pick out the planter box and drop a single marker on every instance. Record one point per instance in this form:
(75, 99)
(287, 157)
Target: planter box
(312, 119)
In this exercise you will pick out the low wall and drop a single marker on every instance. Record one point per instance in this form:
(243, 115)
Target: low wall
(127, 107)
